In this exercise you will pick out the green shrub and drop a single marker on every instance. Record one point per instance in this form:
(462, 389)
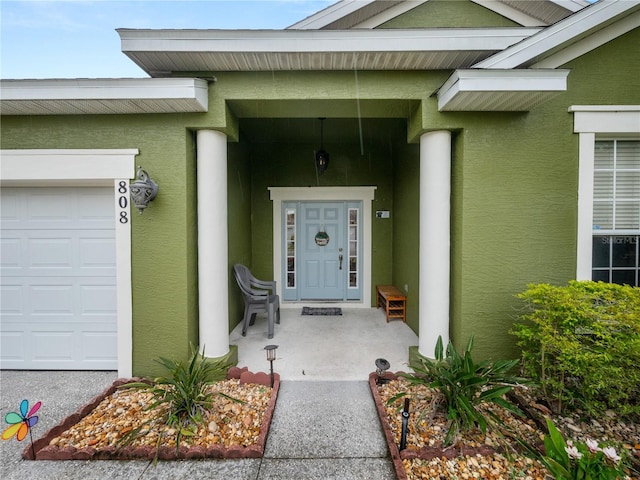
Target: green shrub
(463, 385)
(581, 343)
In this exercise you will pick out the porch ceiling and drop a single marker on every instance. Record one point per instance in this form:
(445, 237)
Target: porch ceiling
(336, 130)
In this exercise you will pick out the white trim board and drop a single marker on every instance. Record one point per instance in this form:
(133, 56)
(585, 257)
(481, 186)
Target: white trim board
(87, 168)
(590, 122)
(366, 195)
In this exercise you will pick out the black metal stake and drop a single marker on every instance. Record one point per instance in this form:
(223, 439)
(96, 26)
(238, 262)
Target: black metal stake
(405, 424)
(271, 362)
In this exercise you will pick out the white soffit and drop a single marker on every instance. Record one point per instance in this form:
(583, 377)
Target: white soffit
(103, 96)
(163, 52)
(562, 34)
(500, 90)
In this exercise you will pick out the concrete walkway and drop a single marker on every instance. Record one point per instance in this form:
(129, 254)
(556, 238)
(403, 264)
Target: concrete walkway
(324, 427)
(320, 430)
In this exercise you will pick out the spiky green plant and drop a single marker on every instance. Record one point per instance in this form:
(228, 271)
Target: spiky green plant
(463, 385)
(185, 393)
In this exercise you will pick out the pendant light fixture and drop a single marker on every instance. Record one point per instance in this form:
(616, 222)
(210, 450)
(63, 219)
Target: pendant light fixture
(322, 156)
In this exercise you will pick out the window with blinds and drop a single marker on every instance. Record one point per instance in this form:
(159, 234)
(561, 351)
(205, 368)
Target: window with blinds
(616, 212)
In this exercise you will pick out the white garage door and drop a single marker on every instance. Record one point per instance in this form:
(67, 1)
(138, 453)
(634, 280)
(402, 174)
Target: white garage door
(58, 279)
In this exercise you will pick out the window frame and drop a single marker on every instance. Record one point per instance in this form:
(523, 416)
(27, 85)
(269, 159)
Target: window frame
(591, 123)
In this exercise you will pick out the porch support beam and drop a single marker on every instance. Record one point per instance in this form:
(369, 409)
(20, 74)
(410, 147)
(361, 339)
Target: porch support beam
(435, 244)
(213, 252)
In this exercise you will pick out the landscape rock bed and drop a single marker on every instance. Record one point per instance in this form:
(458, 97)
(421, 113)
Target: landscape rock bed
(475, 455)
(230, 429)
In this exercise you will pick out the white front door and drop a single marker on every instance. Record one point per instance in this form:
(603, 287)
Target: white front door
(58, 279)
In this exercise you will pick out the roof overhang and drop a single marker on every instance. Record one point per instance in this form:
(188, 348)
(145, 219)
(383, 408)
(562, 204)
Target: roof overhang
(103, 96)
(164, 52)
(588, 23)
(500, 90)
(347, 14)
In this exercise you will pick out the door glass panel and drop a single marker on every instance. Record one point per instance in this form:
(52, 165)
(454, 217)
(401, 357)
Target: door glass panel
(353, 247)
(291, 247)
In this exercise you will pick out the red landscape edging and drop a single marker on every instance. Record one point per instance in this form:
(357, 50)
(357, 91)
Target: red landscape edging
(44, 451)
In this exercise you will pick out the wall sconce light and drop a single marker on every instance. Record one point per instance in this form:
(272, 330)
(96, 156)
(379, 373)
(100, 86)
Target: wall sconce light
(143, 190)
(322, 156)
(271, 356)
(382, 365)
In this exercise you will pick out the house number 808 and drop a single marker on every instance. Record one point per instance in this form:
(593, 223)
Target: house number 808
(123, 201)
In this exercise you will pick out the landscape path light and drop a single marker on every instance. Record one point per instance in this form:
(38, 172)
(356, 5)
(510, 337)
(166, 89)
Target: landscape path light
(271, 356)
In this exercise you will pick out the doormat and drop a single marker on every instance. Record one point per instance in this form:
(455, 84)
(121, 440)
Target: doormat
(321, 311)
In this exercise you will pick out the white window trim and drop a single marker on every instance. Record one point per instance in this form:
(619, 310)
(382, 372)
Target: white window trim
(39, 168)
(592, 122)
(363, 194)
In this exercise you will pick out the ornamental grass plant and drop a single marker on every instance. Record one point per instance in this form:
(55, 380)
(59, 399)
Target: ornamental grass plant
(463, 385)
(183, 395)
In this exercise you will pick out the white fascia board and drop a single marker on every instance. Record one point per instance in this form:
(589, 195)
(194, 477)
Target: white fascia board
(329, 15)
(390, 14)
(601, 119)
(554, 36)
(321, 41)
(572, 5)
(511, 13)
(66, 165)
(484, 81)
(590, 43)
(106, 89)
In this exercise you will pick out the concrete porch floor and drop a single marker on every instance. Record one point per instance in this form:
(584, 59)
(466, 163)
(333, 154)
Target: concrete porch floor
(320, 348)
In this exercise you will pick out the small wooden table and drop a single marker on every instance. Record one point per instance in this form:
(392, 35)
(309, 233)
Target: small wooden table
(393, 301)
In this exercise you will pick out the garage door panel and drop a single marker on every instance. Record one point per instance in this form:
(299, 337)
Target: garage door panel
(51, 300)
(59, 253)
(57, 208)
(12, 298)
(98, 301)
(93, 210)
(49, 206)
(58, 279)
(53, 346)
(97, 253)
(10, 254)
(14, 345)
(64, 346)
(49, 253)
(99, 347)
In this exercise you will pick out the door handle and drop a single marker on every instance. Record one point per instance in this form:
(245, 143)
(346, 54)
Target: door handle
(340, 259)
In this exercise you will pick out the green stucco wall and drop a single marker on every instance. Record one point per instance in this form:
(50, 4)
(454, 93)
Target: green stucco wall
(449, 13)
(163, 249)
(352, 164)
(239, 195)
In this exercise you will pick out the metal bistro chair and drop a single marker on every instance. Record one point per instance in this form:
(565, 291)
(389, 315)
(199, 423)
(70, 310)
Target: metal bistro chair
(259, 296)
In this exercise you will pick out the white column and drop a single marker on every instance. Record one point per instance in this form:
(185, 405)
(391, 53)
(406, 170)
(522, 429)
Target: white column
(435, 245)
(213, 275)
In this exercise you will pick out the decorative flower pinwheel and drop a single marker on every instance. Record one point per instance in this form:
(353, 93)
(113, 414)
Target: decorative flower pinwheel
(22, 422)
